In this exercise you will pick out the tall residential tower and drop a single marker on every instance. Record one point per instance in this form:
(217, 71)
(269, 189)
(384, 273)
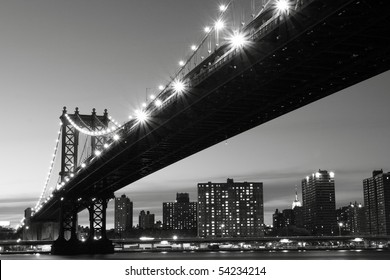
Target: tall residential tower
(123, 214)
(377, 203)
(319, 205)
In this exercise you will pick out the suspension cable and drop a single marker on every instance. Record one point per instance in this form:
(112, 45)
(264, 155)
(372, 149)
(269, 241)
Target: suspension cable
(92, 133)
(51, 167)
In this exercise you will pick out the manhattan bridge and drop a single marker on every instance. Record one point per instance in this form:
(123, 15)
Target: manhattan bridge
(259, 60)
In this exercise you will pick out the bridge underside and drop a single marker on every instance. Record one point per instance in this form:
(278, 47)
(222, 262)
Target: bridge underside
(318, 51)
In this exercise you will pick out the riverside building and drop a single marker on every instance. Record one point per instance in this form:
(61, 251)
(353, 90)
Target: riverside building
(230, 209)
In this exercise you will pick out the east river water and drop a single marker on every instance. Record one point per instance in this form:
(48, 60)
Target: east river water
(378, 254)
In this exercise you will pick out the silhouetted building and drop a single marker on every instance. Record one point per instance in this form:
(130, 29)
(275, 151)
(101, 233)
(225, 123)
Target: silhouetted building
(283, 219)
(298, 216)
(277, 219)
(288, 217)
(6, 232)
(319, 205)
(377, 203)
(180, 214)
(158, 225)
(123, 214)
(230, 209)
(146, 221)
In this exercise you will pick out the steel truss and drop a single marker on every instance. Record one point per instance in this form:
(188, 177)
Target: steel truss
(70, 206)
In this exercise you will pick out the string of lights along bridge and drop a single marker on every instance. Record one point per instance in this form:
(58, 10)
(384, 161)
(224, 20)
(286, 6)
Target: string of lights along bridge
(225, 32)
(257, 61)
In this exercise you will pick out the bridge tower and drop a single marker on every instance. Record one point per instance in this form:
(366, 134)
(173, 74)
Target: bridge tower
(67, 242)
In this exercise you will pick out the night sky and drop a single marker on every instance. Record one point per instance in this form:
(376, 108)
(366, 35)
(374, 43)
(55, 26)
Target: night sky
(109, 54)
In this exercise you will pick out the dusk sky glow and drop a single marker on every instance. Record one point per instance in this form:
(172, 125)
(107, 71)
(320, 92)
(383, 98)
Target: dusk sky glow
(112, 54)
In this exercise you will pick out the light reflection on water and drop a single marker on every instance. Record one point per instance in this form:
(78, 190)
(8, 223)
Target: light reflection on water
(264, 255)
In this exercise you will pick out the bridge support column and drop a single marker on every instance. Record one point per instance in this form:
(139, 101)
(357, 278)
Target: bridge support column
(67, 242)
(97, 242)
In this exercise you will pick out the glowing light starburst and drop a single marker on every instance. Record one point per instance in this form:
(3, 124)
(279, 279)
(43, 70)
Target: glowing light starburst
(178, 86)
(282, 6)
(219, 24)
(238, 40)
(141, 116)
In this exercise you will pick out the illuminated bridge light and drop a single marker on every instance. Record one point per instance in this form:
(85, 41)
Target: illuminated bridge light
(98, 153)
(207, 29)
(222, 7)
(178, 86)
(93, 133)
(141, 116)
(83, 165)
(158, 102)
(181, 63)
(194, 47)
(282, 6)
(219, 24)
(116, 137)
(161, 87)
(238, 40)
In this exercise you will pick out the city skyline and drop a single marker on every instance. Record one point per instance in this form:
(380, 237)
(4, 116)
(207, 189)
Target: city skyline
(290, 199)
(75, 54)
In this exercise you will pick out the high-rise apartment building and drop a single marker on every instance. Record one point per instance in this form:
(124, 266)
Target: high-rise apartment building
(123, 214)
(351, 219)
(230, 209)
(146, 220)
(319, 205)
(181, 214)
(356, 219)
(377, 203)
